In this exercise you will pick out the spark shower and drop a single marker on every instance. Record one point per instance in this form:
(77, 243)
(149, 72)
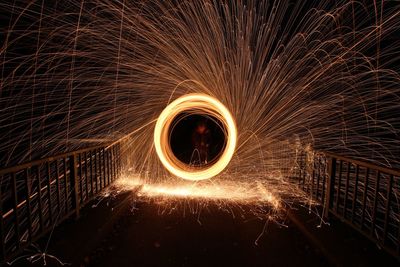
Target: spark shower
(307, 75)
(194, 104)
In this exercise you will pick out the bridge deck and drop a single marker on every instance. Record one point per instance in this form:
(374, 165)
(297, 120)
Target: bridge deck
(113, 235)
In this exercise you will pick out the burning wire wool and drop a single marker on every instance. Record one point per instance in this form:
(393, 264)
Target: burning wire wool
(234, 191)
(285, 78)
(229, 191)
(311, 75)
(194, 104)
(324, 73)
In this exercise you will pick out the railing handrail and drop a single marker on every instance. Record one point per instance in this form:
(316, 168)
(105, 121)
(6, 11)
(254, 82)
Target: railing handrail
(22, 166)
(360, 194)
(392, 171)
(60, 184)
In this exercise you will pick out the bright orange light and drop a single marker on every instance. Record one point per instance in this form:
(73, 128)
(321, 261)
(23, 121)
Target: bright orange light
(227, 191)
(194, 104)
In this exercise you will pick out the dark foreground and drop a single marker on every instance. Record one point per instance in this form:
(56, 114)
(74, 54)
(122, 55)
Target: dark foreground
(116, 233)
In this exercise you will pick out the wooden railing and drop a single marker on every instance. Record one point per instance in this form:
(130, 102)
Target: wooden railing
(36, 196)
(361, 194)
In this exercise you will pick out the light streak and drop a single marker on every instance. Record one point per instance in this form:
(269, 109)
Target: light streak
(323, 72)
(194, 104)
(226, 191)
(295, 77)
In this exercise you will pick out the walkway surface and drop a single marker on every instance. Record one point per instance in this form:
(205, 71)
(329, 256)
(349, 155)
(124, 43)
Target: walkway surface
(117, 233)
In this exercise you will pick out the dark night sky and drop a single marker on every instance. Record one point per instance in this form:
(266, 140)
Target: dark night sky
(49, 120)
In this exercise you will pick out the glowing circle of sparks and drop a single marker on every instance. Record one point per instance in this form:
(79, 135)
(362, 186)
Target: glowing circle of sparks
(194, 104)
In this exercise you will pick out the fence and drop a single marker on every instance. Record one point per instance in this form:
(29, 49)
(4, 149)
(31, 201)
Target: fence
(38, 195)
(363, 195)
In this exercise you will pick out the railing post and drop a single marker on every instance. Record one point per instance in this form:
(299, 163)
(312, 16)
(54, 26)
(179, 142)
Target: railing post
(15, 208)
(330, 185)
(119, 159)
(103, 163)
(2, 236)
(40, 203)
(96, 177)
(387, 210)
(28, 204)
(21, 209)
(74, 183)
(65, 184)
(49, 203)
(86, 177)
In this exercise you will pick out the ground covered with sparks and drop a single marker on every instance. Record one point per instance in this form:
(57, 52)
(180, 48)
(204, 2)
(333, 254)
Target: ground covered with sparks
(118, 233)
(256, 193)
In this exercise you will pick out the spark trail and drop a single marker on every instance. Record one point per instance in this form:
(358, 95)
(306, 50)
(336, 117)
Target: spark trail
(310, 75)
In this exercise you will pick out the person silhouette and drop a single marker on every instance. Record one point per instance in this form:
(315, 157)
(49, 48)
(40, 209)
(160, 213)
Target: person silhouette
(200, 141)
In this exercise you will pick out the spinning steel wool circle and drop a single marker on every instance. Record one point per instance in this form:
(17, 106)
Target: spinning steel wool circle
(194, 104)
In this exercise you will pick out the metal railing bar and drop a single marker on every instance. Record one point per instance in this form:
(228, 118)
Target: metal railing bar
(104, 168)
(318, 177)
(97, 163)
(346, 188)
(109, 166)
(66, 190)
(58, 186)
(100, 171)
(43, 160)
(387, 209)
(91, 174)
(23, 202)
(338, 187)
(49, 192)
(374, 209)
(39, 194)
(2, 236)
(355, 193)
(86, 176)
(74, 183)
(96, 170)
(28, 204)
(80, 177)
(383, 169)
(364, 196)
(15, 207)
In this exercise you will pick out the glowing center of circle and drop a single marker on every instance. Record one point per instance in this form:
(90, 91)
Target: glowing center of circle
(194, 104)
